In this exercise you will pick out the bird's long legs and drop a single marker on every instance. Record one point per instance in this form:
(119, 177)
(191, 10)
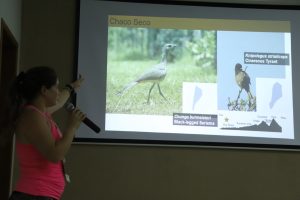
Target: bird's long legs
(150, 92)
(160, 92)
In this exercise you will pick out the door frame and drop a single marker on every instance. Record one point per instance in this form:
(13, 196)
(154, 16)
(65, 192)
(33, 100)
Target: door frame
(9, 59)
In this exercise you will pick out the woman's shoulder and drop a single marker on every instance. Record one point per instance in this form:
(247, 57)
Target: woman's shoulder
(29, 122)
(31, 112)
(30, 118)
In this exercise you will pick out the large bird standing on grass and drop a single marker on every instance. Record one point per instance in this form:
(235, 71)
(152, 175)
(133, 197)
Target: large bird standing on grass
(155, 74)
(243, 80)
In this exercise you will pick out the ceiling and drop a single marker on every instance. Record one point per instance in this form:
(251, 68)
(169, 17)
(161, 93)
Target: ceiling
(262, 2)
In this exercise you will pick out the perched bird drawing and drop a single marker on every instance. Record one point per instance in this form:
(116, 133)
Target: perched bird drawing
(243, 80)
(155, 74)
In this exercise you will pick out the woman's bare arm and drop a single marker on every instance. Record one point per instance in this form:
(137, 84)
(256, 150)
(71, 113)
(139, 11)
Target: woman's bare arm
(64, 95)
(35, 130)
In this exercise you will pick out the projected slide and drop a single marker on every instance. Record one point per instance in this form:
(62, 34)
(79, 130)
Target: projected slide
(199, 76)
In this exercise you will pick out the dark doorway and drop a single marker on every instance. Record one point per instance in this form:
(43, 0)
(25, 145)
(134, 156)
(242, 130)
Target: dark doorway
(8, 71)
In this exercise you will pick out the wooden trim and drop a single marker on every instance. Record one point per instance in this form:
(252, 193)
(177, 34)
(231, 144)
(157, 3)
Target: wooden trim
(8, 70)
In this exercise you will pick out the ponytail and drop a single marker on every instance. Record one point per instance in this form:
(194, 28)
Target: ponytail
(10, 108)
(25, 88)
(16, 98)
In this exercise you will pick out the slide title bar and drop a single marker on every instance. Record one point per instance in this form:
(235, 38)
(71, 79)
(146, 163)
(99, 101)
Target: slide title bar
(194, 24)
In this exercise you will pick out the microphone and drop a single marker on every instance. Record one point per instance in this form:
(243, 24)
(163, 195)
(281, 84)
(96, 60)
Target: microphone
(70, 107)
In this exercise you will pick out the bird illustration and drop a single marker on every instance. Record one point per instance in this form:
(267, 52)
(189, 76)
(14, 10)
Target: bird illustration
(243, 80)
(155, 74)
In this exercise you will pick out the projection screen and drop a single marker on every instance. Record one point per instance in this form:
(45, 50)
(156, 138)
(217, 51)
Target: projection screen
(189, 74)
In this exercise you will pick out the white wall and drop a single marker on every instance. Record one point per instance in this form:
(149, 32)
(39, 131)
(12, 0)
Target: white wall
(10, 11)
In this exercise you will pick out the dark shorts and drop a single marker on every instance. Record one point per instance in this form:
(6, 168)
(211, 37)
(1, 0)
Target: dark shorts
(23, 196)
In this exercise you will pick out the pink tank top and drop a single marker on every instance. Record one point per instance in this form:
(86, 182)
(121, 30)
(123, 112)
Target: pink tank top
(38, 176)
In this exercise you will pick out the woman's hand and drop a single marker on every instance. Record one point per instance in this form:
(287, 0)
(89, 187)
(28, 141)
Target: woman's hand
(76, 117)
(76, 84)
(65, 95)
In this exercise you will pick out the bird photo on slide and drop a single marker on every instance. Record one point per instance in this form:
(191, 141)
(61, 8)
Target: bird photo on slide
(155, 74)
(242, 79)
(147, 69)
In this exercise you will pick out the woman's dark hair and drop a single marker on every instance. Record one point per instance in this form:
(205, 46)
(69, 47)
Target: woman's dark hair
(28, 84)
(25, 88)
